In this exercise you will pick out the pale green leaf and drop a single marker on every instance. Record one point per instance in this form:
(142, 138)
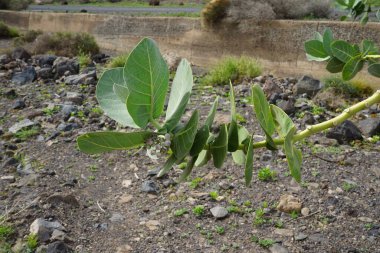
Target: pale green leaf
(374, 69)
(109, 101)
(328, 38)
(147, 78)
(182, 85)
(282, 121)
(95, 143)
(176, 116)
(239, 157)
(293, 156)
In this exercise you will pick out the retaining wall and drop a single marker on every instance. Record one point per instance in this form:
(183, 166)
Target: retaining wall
(278, 44)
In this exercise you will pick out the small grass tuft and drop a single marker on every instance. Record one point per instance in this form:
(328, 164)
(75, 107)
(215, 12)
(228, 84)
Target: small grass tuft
(351, 89)
(266, 174)
(25, 134)
(84, 60)
(199, 210)
(234, 69)
(7, 32)
(32, 242)
(180, 212)
(118, 61)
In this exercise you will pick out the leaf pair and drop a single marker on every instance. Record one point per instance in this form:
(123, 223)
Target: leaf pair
(343, 56)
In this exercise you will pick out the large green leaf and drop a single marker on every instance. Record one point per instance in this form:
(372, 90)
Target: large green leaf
(109, 101)
(282, 121)
(211, 115)
(95, 143)
(147, 78)
(233, 136)
(328, 38)
(167, 166)
(184, 138)
(200, 140)
(219, 147)
(249, 163)
(344, 51)
(374, 69)
(369, 48)
(293, 156)
(352, 67)
(182, 85)
(335, 65)
(263, 114)
(176, 117)
(315, 49)
(239, 157)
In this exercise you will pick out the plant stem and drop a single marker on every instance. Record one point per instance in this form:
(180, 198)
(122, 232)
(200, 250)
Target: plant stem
(155, 123)
(310, 130)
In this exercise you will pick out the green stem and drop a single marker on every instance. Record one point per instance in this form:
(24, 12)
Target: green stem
(372, 57)
(310, 130)
(155, 123)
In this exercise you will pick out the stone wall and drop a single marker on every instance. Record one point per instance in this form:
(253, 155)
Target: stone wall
(278, 44)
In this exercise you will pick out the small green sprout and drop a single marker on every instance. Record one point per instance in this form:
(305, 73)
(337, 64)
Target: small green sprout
(348, 186)
(294, 215)
(219, 229)
(214, 195)
(180, 212)
(266, 174)
(199, 210)
(195, 183)
(32, 242)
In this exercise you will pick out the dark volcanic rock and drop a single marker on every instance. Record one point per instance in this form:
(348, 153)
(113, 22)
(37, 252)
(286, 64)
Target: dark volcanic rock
(27, 76)
(58, 247)
(63, 65)
(308, 85)
(45, 60)
(345, 133)
(45, 73)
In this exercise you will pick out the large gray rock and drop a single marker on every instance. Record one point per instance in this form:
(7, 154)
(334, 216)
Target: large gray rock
(21, 125)
(80, 79)
(370, 126)
(43, 229)
(219, 212)
(308, 85)
(27, 76)
(345, 133)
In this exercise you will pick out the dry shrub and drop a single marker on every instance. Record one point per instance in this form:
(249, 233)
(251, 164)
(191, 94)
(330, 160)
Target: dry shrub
(214, 12)
(296, 9)
(66, 44)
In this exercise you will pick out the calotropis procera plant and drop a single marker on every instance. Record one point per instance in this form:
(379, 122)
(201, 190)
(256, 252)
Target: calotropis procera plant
(359, 9)
(134, 96)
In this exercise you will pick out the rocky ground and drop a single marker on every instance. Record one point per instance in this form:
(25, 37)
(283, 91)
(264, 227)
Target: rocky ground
(114, 203)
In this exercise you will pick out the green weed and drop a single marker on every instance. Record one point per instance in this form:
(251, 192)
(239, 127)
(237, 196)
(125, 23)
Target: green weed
(214, 195)
(195, 183)
(180, 212)
(352, 89)
(266, 174)
(32, 242)
(118, 61)
(234, 69)
(198, 210)
(219, 229)
(25, 134)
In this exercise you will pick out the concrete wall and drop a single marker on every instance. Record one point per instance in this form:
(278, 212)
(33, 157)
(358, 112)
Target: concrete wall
(278, 44)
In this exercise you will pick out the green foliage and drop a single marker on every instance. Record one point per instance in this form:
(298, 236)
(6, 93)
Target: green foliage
(348, 186)
(214, 195)
(266, 174)
(343, 56)
(84, 59)
(5, 232)
(51, 111)
(219, 229)
(358, 9)
(27, 37)
(233, 69)
(66, 44)
(195, 183)
(7, 32)
(198, 210)
(180, 212)
(118, 61)
(294, 215)
(350, 89)
(25, 134)
(32, 242)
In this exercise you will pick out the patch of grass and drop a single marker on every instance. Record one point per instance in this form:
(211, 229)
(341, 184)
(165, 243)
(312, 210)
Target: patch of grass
(266, 174)
(32, 242)
(352, 89)
(25, 134)
(234, 69)
(219, 229)
(5, 232)
(259, 217)
(51, 111)
(7, 32)
(84, 60)
(66, 44)
(294, 215)
(214, 195)
(180, 212)
(118, 61)
(199, 210)
(97, 110)
(27, 37)
(329, 149)
(266, 243)
(195, 183)
(348, 187)
(233, 209)
(317, 110)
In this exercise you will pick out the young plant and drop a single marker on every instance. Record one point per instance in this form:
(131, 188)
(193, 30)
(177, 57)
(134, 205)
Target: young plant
(198, 210)
(134, 96)
(359, 8)
(266, 174)
(180, 212)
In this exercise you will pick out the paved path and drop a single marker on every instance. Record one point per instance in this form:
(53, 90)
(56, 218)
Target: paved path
(127, 10)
